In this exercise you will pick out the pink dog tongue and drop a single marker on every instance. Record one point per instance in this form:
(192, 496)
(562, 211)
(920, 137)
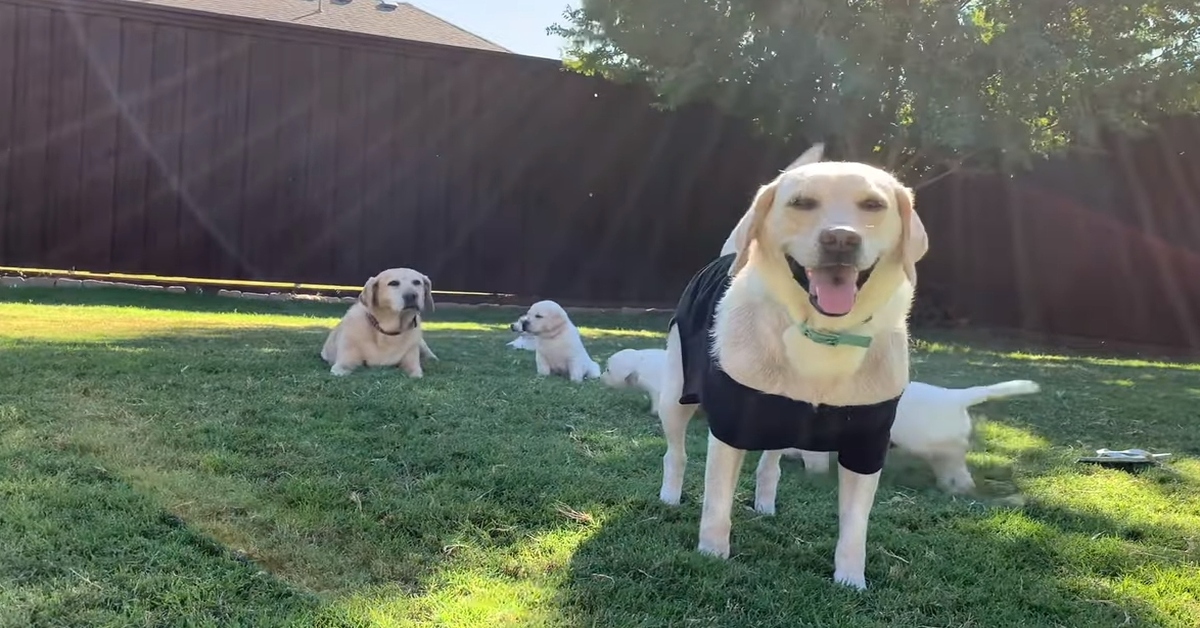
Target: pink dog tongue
(834, 288)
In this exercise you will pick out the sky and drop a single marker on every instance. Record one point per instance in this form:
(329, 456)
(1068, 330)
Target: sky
(518, 25)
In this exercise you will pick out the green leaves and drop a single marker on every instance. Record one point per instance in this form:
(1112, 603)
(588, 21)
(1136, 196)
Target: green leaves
(915, 84)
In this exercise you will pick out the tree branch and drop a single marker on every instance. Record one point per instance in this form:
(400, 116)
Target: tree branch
(952, 166)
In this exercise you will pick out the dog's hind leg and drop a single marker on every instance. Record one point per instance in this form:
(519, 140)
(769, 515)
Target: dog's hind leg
(950, 466)
(674, 417)
(816, 461)
(766, 483)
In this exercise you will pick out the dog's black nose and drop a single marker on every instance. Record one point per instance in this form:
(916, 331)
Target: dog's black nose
(410, 299)
(840, 239)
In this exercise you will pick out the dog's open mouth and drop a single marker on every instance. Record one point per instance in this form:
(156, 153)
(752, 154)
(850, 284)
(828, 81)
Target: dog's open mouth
(834, 289)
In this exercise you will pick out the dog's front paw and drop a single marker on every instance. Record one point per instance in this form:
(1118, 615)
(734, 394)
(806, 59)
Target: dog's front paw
(719, 549)
(670, 496)
(857, 580)
(339, 370)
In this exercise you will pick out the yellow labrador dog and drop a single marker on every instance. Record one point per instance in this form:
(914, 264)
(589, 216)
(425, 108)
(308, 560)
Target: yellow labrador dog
(383, 328)
(798, 338)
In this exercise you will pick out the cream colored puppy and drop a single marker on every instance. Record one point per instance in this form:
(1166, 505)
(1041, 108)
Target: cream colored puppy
(639, 368)
(558, 348)
(383, 328)
(934, 424)
(523, 341)
(798, 339)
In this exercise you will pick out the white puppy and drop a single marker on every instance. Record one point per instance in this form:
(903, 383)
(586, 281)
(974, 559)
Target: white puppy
(558, 349)
(640, 368)
(933, 423)
(523, 341)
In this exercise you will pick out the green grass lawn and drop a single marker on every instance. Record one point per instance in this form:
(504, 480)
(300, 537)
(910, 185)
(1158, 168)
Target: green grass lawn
(179, 460)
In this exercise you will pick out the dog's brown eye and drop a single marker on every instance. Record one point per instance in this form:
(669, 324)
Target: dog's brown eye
(537, 315)
(416, 282)
(393, 283)
(804, 202)
(872, 204)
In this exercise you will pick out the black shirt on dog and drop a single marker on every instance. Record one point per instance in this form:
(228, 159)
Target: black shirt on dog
(752, 420)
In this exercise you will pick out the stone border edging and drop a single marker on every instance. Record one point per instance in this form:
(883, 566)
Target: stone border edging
(12, 281)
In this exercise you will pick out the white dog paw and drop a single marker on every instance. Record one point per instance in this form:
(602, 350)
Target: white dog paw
(854, 580)
(670, 497)
(339, 370)
(712, 548)
(764, 507)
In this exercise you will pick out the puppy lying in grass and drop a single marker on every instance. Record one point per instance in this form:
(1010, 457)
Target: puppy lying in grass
(637, 368)
(558, 348)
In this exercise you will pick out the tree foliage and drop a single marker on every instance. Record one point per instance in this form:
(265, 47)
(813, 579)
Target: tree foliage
(915, 85)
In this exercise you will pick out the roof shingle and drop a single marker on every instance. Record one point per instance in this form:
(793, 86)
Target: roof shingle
(405, 21)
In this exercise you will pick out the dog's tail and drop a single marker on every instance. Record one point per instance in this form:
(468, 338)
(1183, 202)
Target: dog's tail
(979, 394)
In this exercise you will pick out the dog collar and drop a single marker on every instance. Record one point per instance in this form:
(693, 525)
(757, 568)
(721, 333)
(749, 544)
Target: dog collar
(834, 339)
(375, 323)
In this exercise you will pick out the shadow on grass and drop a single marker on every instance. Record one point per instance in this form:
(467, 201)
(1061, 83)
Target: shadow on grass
(483, 495)
(82, 547)
(374, 482)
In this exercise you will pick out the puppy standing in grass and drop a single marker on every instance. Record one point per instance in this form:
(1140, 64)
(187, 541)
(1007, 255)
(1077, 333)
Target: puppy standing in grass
(558, 349)
(798, 339)
(639, 368)
(383, 328)
(934, 424)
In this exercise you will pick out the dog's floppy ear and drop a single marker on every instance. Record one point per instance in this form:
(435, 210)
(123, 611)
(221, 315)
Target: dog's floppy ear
(914, 242)
(428, 301)
(632, 379)
(748, 229)
(810, 156)
(736, 242)
(369, 296)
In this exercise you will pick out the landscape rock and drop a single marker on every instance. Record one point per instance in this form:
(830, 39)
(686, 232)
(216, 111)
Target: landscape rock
(12, 282)
(229, 293)
(176, 289)
(68, 283)
(40, 282)
(95, 283)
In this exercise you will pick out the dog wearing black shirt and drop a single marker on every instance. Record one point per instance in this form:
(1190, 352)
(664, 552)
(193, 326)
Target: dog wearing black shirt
(798, 339)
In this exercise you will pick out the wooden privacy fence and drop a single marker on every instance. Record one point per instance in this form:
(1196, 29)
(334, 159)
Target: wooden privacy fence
(144, 139)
